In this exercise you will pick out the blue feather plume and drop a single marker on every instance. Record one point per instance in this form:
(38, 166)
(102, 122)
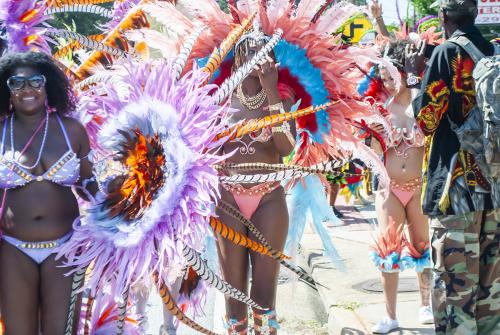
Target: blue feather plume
(294, 58)
(308, 196)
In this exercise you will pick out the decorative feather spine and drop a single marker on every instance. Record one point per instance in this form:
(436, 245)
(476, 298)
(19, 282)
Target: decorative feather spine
(90, 9)
(88, 315)
(290, 174)
(254, 125)
(278, 255)
(200, 267)
(237, 238)
(78, 279)
(124, 24)
(87, 42)
(230, 83)
(172, 307)
(317, 168)
(122, 312)
(96, 78)
(218, 54)
(59, 3)
(185, 50)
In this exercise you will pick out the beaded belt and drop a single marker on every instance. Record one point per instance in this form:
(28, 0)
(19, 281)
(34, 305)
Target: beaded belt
(39, 245)
(261, 189)
(410, 185)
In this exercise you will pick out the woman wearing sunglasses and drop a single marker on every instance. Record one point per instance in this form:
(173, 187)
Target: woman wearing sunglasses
(43, 153)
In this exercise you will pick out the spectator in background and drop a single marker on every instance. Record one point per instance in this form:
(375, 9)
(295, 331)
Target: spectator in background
(465, 224)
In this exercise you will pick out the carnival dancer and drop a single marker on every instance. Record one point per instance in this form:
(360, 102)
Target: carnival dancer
(393, 251)
(307, 76)
(264, 204)
(43, 154)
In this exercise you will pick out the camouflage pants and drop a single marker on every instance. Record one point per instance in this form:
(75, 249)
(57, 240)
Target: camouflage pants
(466, 262)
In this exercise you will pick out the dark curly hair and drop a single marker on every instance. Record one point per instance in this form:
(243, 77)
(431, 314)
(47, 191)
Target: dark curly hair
(395, 50)
(59, 91)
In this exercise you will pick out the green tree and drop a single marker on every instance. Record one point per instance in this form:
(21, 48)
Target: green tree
(85, 23)
(423, 7)
(223, 4)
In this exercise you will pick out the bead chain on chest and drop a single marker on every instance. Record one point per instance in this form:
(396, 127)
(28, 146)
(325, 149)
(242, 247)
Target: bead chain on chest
(41, 146)
(251, 103)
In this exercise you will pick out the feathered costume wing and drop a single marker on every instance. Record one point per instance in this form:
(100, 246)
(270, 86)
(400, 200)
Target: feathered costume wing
(159, 134)
(153, 134)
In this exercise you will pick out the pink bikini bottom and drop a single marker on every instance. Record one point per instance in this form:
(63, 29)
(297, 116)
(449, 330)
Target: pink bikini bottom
(248, 199)
(404, 192)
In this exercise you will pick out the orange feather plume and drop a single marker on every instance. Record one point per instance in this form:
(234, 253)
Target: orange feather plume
(412, 250)
(390, 240)
(218, 54)
(144, 160)
(134, 19)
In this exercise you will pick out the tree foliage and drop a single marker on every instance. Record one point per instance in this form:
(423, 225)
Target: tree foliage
(423, 7)
(85, 23)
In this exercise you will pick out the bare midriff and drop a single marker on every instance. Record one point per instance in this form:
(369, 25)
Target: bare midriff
(39, 211)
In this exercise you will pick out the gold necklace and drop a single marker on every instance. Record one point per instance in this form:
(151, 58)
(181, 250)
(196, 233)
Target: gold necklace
(251, 103)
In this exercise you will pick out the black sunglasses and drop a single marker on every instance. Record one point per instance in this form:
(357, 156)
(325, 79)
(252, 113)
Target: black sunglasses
(16, 83)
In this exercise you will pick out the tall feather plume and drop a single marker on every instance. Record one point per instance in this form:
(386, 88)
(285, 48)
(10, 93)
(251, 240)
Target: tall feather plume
(263, 4)
(153, 39)
(126, 23)
(276, 8)
(90, 9)
(307, 8)
(233, 10)
(202, 9)
(247, 6)
(335, 16)
(185, 51)
(23, 26)
(172, 20)
(218, 54)
(321, 10)
(59, 3)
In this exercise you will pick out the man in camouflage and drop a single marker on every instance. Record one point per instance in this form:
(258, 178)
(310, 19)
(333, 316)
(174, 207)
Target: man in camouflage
(464, 220)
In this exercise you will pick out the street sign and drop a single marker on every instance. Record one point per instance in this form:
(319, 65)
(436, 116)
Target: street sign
(357, 28)
(489, 12)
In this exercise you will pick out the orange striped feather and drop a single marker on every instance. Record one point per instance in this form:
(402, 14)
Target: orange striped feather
(243, 129)
(128, 22)
(239, 239)
(172, 307)
(75, 45)
(60, 3)
(88, 315)
(218, 54)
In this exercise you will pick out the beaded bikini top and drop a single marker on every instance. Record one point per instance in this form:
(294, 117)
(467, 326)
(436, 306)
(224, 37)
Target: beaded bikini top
(65, 171)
